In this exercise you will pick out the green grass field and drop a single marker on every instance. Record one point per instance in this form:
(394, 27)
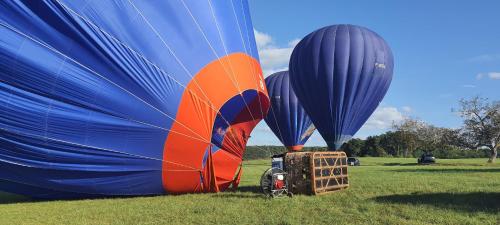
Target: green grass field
(383, 191)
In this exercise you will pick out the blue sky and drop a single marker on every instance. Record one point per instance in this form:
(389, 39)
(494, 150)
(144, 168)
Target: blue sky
(443, 50)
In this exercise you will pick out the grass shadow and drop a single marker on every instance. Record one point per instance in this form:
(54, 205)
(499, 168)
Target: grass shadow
(250, 189)
(238, 195)
(256, 164)
(9, 198)
(487, 202)
(243, 192)
(450, 170)
(400, 164)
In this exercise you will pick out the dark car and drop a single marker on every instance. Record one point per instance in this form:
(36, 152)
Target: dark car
(352, 161)
(426, 158)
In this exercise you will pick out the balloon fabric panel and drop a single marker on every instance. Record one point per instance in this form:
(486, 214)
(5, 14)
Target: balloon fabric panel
(103, 98)
(287, 118)
(340, 74)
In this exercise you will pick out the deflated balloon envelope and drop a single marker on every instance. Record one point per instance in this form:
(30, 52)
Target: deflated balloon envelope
(286, 118)
(126, 97)
(340, 74)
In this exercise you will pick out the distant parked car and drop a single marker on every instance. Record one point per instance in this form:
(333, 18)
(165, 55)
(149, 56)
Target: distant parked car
(426, 158)
(352, 161)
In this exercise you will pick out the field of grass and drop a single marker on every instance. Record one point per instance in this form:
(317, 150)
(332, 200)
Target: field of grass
(383, 191)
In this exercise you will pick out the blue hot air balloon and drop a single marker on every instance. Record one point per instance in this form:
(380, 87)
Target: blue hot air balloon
(286, 117)
(340, 74)
(128, 97)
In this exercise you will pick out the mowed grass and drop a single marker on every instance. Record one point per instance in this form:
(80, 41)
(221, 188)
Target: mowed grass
(383, 191)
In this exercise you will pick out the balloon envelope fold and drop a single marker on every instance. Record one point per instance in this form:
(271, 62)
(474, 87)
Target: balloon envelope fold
(102, 98)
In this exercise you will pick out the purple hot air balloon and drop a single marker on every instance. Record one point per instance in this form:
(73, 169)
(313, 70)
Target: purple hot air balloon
(340, 74)
(286, 117)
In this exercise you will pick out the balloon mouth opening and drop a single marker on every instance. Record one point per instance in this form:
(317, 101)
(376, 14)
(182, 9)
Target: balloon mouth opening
(231, 131)
(247, 107)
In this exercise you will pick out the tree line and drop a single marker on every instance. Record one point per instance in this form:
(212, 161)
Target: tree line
(478, 137)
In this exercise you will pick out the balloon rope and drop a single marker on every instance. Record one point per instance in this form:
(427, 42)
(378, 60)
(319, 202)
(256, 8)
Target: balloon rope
(251, 51)
(114, 38)
(225, 50)
(143, 57)
(97, 74)
(186, 70)
(257, 85)
(154, 65)
(182, 65)
(149, 62)
(277, 125)
(54, 50)
(99, 148)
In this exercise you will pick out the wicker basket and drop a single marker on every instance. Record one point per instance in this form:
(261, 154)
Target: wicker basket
(316, 172)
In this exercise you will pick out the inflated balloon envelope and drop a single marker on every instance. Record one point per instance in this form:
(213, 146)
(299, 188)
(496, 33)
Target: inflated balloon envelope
(102, 98)
(340, 74)
(286, 118)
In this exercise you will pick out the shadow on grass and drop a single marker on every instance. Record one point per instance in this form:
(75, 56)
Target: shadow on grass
(243, 192)
(251, 189)
(256, 164)
(468, 202)
(238, 195)
(450, 170)
(400, 164)
(8, 198)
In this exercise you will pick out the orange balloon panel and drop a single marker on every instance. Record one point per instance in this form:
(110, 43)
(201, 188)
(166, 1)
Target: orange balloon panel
(230, 79)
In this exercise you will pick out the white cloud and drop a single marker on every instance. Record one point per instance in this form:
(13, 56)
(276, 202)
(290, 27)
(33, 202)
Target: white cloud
(262, 39)
(494, 75)
(406, 109)
(273, 58)
(485, 58)
(491, 75)
(383, 118)
(469, 86)
(294, 42)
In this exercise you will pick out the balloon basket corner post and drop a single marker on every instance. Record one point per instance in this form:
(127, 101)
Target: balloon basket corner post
(316, 173)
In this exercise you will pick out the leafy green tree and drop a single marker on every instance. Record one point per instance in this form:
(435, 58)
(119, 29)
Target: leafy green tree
(392, 143)
(372, 147)
(353, 147)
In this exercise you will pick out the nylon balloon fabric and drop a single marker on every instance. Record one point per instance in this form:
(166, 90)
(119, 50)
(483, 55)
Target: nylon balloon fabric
(101, 98)
(340, 74)
(286, 118)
